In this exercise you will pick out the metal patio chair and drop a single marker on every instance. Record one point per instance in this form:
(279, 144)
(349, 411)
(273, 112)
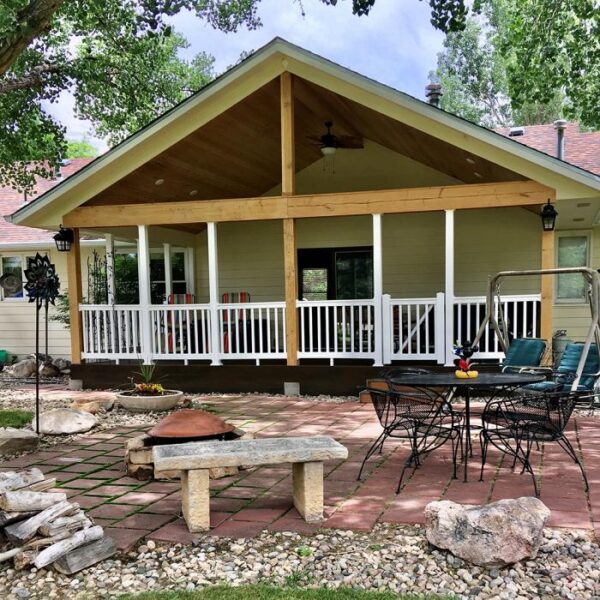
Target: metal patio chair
(515, 424)
(423, 418)
(523, 353)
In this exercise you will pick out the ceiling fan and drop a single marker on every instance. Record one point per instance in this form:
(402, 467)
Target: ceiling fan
(330, 142)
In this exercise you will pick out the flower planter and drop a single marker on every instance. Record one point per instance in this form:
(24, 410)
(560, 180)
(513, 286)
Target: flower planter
(136, 403)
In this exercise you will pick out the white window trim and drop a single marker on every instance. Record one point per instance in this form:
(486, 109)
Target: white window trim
(571, 233)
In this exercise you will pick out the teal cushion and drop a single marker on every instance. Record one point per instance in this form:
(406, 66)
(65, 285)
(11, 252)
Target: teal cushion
(524, 352)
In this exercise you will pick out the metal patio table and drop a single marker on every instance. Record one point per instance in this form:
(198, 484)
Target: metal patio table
(499, 381)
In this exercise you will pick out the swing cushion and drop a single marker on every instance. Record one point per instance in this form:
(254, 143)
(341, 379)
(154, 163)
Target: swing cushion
(524, 352)
(567, 369)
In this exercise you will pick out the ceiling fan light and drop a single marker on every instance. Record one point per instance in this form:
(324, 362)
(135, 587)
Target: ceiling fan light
(328, 150)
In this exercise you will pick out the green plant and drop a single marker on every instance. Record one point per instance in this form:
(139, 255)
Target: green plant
(298, 579)
(61, 314)
(146, 372)
(304, 551)
(375, 547)
(15, 418)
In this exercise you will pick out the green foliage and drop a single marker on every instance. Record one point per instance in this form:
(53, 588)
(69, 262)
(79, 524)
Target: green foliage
(126, 279)
(15, 418)
(263, 592)
(80, 149)
(304, 551)
(473, 71)
(61, 314)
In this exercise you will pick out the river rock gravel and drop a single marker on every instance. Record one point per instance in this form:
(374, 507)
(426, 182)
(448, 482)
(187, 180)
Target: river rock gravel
(397, 559)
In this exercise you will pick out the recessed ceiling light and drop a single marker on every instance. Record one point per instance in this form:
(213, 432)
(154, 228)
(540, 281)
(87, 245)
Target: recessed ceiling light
(478, 175)
(193, 192)
(578, 219)
(159, 182)
(583, 204)
(470, 160)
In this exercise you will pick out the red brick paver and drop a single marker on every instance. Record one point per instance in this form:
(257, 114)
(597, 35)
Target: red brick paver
(92, 473)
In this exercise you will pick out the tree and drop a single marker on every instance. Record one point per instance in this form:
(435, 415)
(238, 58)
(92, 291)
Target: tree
(80, 149)
(473, 71)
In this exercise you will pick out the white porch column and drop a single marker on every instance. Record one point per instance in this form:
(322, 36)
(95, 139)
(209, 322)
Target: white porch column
(213, 293)
(449, 287)
(143, 247)
(190, 271)
(377, 291)
(168, 271)
(110, 268)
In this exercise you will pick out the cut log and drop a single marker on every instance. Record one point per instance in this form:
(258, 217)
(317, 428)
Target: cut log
(6, 475)
(77, 521)
(6, 518)
(85, 556)
(56, 551)
(9, 554)
(41, 486)
(19, 533)
(21, 480)
(20, 500)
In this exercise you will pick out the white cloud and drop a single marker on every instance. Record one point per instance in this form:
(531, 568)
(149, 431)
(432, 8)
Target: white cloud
(395, 44)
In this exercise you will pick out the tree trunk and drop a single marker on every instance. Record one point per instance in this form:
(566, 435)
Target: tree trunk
(57, 526)
(32, 21)
(85, 556)
(21, 480)
(20, 501)
(19, 533)
(54, 552)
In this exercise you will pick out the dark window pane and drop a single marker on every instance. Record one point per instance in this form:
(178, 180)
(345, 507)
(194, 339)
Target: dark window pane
(12, 265)
(157, 267)
(178, 266)
(126, 279)
(179, 287)
(354, 275)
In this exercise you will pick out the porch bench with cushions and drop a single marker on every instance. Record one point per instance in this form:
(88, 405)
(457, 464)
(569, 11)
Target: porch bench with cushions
(194, 460)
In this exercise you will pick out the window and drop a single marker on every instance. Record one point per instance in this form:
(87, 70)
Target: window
(314, 284)
(13, 265)
(572, 251)
(157, 275)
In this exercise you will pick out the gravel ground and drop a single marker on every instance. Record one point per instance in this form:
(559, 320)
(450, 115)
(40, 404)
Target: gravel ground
(388, 558)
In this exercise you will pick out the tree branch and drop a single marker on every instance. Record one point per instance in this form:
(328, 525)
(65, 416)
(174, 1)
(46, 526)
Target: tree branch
(32, 79)
(32, 20)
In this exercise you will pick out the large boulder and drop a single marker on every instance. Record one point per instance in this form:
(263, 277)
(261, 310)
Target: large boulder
(66, 420)
(23, 368)
(62, 364)
(94, 403)
(493, 535)
(16, 440)
(47, 369)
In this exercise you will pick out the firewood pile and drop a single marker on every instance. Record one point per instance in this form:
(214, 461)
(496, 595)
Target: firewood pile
(40, 527)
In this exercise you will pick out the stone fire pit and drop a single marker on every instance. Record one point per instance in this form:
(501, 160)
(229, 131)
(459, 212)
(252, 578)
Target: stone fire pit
(178, 428)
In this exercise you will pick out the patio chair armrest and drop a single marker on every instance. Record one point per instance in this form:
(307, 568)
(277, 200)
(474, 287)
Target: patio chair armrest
(527, 369)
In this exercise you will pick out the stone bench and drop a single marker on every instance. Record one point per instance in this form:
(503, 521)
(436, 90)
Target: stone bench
(194, 460)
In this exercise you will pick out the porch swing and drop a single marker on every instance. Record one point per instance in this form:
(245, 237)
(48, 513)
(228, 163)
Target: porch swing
(497, 321)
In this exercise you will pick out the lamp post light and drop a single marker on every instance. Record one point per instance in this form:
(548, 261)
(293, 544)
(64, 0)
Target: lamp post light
(548, 216)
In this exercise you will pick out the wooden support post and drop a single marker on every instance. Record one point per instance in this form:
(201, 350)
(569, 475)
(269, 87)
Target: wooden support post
(213, 294)
(548, 238)
(168, 271)
(288, 188)
(145, 296)
(75, 297)
(449, 287)
(377, 291)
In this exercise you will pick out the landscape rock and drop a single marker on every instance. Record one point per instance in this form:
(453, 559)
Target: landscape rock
(66, 420)
(94, 403)
(62, 364)
(23, 368)
(47, 369)
(16, 440)
(497, 534)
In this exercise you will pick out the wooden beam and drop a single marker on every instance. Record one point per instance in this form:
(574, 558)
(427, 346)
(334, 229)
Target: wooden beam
(75, 298)
(547, 302)
(288, 187)
(406, 200)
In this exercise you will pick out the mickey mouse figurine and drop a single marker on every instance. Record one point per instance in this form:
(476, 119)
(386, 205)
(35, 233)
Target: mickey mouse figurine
(463, 362)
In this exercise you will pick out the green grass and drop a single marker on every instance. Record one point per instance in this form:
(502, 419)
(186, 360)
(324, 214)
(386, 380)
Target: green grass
(15, 418)
(263, 592)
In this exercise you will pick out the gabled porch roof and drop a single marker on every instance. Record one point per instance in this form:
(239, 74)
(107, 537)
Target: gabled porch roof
(202, 139)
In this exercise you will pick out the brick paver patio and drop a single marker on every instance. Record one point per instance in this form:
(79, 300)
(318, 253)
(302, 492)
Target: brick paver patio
(91, 471)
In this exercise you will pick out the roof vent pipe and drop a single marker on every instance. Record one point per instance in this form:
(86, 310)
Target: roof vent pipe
(434, 93)
(560, 127)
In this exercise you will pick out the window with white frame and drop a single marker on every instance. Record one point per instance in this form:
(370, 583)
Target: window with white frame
(158, 287)
(573, 250)
(13, 264)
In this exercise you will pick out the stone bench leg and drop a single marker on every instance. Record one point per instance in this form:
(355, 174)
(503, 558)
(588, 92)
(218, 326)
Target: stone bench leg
(195, 499)
(308, 490)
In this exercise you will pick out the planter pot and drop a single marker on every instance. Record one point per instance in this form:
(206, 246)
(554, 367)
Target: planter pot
(135, 403)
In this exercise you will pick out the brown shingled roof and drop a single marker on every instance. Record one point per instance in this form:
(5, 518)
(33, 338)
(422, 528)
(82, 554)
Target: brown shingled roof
(582, 149)
(10, 201)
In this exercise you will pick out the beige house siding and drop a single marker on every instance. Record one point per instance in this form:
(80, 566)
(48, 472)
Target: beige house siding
(17, 317)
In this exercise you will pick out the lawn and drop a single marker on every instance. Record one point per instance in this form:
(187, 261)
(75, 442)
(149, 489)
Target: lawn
(15, 418)
(262, 592)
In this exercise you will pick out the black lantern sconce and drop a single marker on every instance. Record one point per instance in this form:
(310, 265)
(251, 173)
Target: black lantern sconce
(64, 238)
(548, 215)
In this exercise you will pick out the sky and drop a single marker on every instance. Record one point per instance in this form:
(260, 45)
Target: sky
(395, 44)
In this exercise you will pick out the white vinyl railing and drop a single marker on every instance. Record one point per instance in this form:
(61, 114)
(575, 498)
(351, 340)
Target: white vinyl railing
(180, 331)
(521, 317)
(337, 329)
(252, 330)
(111, 331)
(413, 328)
